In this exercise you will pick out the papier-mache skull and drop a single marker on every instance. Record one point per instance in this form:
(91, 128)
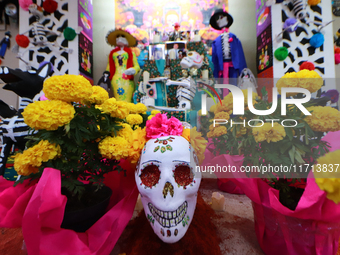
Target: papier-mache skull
(193, 59)
(167, 180)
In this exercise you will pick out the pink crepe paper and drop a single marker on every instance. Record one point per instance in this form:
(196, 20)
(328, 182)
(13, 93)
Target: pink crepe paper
(160, 126)
(44, 209)
(312, 228)
(24, 4)
(223, 183)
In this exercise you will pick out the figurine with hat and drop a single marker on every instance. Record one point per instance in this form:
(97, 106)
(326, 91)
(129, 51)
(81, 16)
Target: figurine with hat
(227, 52)
(122, 64)
(5, 44)
(175, 35)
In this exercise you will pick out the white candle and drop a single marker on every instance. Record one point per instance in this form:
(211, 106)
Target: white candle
(156, 39)
(146, 77)
(217, 200)
(205, 74)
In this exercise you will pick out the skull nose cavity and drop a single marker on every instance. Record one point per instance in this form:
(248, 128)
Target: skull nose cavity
(168, 188)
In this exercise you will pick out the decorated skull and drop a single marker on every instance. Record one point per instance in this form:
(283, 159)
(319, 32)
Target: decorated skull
(168, 183)
(193, 59)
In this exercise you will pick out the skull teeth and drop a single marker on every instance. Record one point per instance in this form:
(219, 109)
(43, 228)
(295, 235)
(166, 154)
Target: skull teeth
(169, 219)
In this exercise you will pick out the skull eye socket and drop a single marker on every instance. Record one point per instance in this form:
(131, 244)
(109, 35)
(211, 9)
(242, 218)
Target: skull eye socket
(183, 175)
(150, 175)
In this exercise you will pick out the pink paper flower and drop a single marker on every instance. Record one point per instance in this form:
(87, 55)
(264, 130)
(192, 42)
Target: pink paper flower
(160, 125)
(175, 126)
(24, 4)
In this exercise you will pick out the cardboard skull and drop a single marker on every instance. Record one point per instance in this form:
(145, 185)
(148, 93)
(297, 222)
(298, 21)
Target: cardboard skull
(168, 184)
(193, 59)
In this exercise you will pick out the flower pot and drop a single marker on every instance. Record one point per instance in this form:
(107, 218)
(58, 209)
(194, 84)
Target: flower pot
(280, 234)
(81, 219)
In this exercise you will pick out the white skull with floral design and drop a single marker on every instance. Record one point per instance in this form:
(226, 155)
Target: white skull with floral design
(167, 180)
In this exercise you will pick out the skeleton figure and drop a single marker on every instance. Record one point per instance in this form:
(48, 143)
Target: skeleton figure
(26, 85)
(42, 36)
(167, 180)
(187, 86)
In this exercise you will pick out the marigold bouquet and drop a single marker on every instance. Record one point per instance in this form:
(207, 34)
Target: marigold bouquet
(291, 142)
(81, 132)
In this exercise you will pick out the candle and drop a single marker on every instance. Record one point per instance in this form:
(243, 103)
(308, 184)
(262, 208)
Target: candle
(205, 74)
(156, 38)
(139, 205)
(217, 200)
(146, 77)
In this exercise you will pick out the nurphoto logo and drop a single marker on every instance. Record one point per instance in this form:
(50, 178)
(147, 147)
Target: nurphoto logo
(238, 104)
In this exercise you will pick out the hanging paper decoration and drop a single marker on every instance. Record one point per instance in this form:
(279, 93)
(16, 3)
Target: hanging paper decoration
(24, 4)
(307, 65)
(317, 40)
(69, 34)
(50, 6)
(22, 41)
(314, 2)
(281, 53)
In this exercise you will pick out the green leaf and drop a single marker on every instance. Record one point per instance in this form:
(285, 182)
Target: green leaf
(289, 133)
(298, 157)
(291, 153)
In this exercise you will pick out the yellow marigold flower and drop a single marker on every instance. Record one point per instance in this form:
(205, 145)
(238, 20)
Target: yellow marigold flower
(138, 140)
(198, 143)
(125, 132)
(310, 80)
(269, 133)
(31, 159)
(323, 118)
(98, 96)
(212, 108)
(217, 131)
(22, 166)
(138, 108)
(222, 116)
(186, 134)
(68, 88)
(117, 109)
(134, 119)
(151, 116)
(154, 112)
(289, 80)
(48, 115)
(327, 176)
(114, 147)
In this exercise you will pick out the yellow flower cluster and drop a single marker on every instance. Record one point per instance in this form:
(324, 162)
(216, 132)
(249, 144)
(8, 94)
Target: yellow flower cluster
(117, 109)
(134, 119)
(222, 116)
(326, 175)
(129, 145)
(216, 131)
(31, 159)
(306, 79)
(114, 147)
(68, 88)
(98, 96)
(137, 108)
(137, 143)
(48, 115)
(198, 143)
(153, 114)
(323, 118)
(269, 133)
